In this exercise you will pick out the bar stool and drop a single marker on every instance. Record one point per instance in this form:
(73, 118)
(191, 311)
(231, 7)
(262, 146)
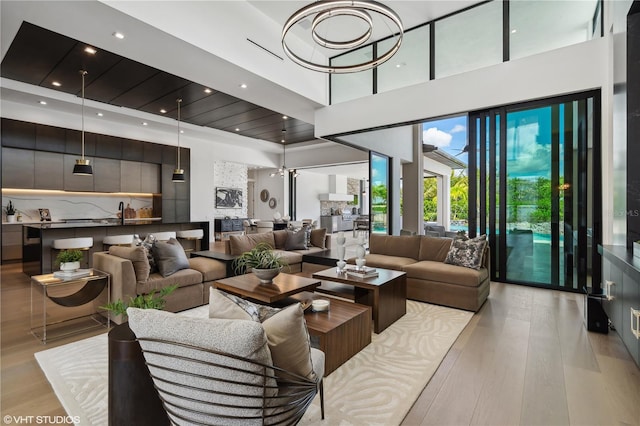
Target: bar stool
(82, 243)
(194, 235)
(164, 236)
(116, 240)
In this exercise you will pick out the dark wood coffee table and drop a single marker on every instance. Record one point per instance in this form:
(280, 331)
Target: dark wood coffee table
(386, 293)
(283, 286)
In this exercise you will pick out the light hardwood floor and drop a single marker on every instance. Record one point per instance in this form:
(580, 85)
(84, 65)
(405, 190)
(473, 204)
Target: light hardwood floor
(525, 358)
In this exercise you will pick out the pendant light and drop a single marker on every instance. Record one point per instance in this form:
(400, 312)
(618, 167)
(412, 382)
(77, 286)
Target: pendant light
(282, 170)
(178, 173)
(82, 166)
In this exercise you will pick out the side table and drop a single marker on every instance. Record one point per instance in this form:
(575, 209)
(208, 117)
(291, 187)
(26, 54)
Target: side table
(81, 294)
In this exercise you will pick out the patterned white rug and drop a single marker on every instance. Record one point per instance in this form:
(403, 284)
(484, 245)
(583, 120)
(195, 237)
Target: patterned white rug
(378, 386)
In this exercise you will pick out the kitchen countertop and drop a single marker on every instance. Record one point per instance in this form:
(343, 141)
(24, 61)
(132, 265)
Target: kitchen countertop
(95, 224)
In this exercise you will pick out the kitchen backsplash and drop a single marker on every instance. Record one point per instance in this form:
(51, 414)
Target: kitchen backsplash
(72, 205)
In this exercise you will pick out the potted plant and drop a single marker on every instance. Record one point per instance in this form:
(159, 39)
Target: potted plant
(11, 212)
(153, 300)
(262, 261)
(69, 260)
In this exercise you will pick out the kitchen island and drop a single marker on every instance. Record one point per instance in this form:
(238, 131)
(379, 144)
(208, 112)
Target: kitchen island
(37, 238)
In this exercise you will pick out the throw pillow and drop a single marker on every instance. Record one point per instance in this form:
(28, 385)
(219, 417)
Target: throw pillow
(288, 340)
(296, 240)
(280, 238)
(169, 256)
(137, 256)
(148, 247)
(318, 236)
(227, 306)
(467, 253)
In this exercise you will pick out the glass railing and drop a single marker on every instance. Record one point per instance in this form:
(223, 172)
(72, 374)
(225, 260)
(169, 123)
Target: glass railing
(483, 35)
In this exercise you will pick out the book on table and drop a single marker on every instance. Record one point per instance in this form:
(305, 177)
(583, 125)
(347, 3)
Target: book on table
(364, 272)
(68, 275)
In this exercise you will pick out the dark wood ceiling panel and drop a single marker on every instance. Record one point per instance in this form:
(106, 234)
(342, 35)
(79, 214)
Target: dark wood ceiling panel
(149, 91)
(33, 53)
(122, 77)
(189, 94)
(37, 56)
(237, 107)
(238, 119)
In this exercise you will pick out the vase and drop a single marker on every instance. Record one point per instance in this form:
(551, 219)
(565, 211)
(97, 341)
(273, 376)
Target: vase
(341, 251)
(11, 218)
(360, 251)
(341, 264)
(266, 276)
(69, 266)
(360, 263)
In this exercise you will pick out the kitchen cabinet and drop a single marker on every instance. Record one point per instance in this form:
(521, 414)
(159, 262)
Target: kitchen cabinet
(18, 134)
(130, 172)
(621, 284)
(50, 170)
(11, 242)
(18, 167)
(337, 223)
(150, 178)
(106, 174)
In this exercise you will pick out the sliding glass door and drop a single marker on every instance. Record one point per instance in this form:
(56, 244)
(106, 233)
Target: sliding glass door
(536, 191)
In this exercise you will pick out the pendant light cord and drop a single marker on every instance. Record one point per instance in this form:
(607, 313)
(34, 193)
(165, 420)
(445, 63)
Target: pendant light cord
(83, 72)
(179, 102)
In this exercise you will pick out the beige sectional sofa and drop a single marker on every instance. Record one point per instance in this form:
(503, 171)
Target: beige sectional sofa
(129, 270)
(319, 241)
(429, 278)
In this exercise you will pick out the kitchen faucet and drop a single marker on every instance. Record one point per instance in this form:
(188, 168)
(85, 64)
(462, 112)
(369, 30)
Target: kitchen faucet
(121, 208)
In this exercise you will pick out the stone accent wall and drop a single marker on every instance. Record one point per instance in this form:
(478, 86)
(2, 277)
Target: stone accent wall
(229, 175)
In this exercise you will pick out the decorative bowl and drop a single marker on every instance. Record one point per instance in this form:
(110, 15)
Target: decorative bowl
(320, 305)
(266, 276)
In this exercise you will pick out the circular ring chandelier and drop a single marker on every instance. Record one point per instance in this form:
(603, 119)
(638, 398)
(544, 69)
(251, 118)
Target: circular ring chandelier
(324, 10)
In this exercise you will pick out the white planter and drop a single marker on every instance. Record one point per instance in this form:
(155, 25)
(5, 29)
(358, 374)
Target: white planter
(70, 266)
(636, 249)
(11, 218)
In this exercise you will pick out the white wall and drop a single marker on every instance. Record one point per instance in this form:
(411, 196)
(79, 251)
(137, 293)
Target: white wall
(228, 175)
(276, 187)
(309, 186)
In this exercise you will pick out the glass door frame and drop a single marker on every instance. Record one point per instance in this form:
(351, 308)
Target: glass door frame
(488, 131)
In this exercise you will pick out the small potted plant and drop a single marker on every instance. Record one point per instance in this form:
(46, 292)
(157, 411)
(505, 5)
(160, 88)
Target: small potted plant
(69, 260)
(152, 300)
(11, 212)
(265, 263)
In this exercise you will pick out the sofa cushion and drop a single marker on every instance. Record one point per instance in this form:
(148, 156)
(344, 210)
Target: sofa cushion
(435, 249)
(183, 278)
(169, 257)
(467, 253)
(318, 237)
(137, 256)
(392, 245)
(443, 272)
(288, 339)
(238, 244)
(291, 257)
(225, 305)
(280, 238)
(385, 261)
(296, 240)
(210, 269)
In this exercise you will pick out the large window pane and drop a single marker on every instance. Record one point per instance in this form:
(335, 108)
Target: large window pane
(469, 40)
(540, 26)
(345, 87)
(410, 64)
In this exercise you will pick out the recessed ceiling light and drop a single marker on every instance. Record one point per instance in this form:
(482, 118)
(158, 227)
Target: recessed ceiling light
(181, 131)
(243, 86)
(99, 114)
(282, 140)
(163, 111)
(55, 83)
(90, 50)
(513, 31)
(285, 117)
(118, 35)
(42, 102)
(144, 123)
(237, 130)
(207, 90)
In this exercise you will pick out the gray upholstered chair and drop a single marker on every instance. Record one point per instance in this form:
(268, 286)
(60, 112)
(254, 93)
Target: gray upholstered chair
(219, 371)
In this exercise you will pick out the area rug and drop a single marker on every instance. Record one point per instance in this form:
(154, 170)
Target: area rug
(377, 386)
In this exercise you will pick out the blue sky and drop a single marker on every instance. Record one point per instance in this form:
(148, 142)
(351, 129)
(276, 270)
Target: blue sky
(448, 134)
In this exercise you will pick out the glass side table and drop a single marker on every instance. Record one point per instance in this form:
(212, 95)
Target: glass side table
(64, 304)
